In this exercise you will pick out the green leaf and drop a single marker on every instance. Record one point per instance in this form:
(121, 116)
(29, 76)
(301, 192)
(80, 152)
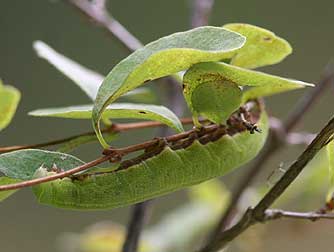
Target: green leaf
(21, 165)
(262, 47)
(261, 84)
(163, 57)
(117, 110)
(6, 181)
(88, 80)
(329, 149)
(9, 100)
(216, 100)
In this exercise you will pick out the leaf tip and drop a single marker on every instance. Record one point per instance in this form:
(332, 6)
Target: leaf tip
(33, 113)
(40, 47)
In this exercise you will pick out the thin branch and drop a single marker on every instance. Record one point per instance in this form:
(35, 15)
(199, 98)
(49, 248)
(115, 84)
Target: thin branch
(258, 213)
(274, 214)
(45, 144)
(116, 128)
(139, 217)
(99, 14)
(278, 137)
(201, 11)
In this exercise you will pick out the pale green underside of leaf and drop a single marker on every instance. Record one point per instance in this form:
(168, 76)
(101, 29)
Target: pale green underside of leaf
(9, 100)
(116, 110)
(262, 47)
(163, 57)
(88, 80)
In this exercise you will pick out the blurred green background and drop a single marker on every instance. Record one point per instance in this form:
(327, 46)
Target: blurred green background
(307, 25)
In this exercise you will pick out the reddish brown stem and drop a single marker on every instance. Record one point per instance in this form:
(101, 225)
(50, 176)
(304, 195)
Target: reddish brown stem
(109, 154)
(64, 174)
(115, 128)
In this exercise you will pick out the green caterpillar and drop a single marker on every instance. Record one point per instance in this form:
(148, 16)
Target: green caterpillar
(169, 171)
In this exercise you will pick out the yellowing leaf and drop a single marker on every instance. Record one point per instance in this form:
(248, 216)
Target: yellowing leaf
(5, 181)
(329, 149)
(262, 47)
(9, 99)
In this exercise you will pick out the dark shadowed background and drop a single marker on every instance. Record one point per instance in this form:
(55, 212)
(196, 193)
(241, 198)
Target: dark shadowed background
(307, 25)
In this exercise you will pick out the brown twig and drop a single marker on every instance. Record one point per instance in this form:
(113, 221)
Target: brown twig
(121, 127)
(139, 217)
(258, 213)
(60, 175)
(278, 137)
(99, 14)
(201, 11)
(45, 144)
(274, 214)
